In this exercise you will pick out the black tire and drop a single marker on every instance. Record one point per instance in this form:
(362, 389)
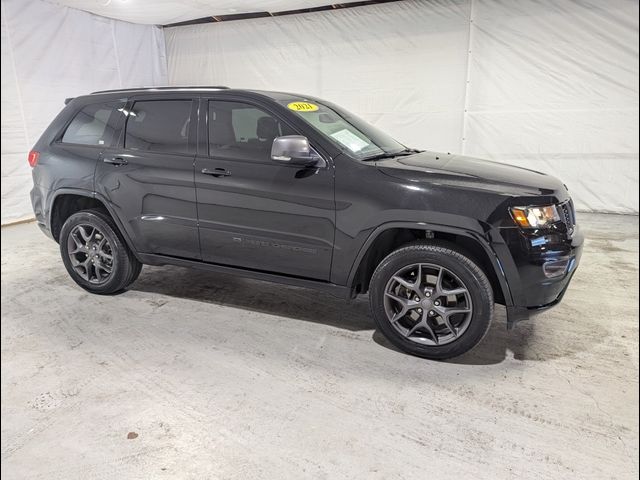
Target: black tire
(448, 257)
(125, 267)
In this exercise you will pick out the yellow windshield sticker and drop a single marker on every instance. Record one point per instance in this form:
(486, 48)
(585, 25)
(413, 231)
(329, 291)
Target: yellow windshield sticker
(302, 107)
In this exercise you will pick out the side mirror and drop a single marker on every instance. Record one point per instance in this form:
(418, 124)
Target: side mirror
(294, 150)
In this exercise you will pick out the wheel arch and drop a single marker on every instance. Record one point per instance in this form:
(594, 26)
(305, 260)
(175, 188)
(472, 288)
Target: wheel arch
(65, 202)
(390, 236)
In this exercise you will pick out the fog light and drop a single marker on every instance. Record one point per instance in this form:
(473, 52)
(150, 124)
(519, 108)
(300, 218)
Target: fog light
(555, 268)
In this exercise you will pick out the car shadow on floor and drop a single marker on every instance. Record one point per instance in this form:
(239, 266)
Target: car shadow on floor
(498, 345)
(258, 296)
(521, 343)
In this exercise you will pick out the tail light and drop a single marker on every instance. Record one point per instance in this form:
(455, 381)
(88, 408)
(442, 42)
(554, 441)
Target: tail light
(33, 158)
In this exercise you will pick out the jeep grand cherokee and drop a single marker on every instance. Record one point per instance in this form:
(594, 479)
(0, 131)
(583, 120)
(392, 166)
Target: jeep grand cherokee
(293, 189)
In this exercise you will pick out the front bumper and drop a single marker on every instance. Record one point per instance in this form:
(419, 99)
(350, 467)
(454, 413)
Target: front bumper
(543, 264)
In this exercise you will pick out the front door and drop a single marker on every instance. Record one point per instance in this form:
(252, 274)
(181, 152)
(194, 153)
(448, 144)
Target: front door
(148, 177)
(255, 213)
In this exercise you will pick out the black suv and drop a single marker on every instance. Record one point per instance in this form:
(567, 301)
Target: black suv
(293, 189)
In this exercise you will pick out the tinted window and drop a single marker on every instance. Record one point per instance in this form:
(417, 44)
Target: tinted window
(94, 125)
(159, 126)
(242, 131)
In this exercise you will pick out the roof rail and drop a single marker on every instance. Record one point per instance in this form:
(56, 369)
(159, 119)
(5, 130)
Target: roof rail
(177, 87)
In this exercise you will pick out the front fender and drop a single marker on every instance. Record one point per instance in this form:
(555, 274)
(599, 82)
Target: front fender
(485, 240)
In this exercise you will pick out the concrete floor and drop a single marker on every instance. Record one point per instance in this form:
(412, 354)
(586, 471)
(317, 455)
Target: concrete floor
(220, 377)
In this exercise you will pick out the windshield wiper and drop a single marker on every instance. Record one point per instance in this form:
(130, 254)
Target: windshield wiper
(401, 153)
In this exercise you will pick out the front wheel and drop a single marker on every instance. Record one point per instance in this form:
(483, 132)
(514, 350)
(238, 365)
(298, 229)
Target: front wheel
(95, 254)
(431, 301)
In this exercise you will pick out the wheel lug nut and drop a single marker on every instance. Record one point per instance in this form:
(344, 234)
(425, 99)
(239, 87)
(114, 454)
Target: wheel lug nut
(436, 303)
(428, 294)
(419, 310)
(432, 313)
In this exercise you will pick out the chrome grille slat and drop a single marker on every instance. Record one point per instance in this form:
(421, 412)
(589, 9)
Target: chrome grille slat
(568, 215)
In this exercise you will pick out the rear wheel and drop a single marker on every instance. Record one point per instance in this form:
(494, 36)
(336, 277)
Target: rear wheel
(95, 254)
(431, 301)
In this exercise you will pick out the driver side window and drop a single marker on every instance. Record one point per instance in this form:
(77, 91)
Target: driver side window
(242, 131)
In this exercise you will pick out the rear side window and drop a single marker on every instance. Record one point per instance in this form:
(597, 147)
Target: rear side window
(94, 125)
(242, 131)
(159, 126)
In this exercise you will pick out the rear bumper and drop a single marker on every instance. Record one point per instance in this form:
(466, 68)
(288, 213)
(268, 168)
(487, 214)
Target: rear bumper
(45, 230)
(543, 264)
(39, 196)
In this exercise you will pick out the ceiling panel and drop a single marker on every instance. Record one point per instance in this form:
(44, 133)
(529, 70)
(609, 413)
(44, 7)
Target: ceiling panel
(163, 12)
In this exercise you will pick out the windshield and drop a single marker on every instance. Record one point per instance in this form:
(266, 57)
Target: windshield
(351, 134)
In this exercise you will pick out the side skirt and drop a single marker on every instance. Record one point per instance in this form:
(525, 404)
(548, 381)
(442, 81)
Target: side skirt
(336, 290)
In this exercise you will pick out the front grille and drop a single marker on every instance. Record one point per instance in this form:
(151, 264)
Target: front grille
(568, 215)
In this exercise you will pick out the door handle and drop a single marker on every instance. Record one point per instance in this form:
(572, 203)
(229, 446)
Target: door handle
(216, 172)
(117, 161)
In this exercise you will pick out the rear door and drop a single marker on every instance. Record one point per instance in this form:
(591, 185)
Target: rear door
(148, 177)
(253, 212)
(77, 148)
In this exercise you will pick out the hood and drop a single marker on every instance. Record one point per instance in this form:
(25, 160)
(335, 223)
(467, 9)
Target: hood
(472, 173)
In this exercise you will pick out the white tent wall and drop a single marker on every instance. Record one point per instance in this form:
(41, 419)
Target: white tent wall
(547, 85)
(50, 53)
(554, 87)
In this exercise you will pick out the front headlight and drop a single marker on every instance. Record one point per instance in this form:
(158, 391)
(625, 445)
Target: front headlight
(535, 217)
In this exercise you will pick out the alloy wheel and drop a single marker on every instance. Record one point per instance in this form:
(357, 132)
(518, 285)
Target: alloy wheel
(428, 304)
(90, 253)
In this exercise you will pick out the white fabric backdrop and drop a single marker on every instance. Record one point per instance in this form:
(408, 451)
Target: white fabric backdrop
(547, 85)
(50, 53)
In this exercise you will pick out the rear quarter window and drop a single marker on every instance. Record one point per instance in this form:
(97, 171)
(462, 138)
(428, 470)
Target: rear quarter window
(94, 124)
